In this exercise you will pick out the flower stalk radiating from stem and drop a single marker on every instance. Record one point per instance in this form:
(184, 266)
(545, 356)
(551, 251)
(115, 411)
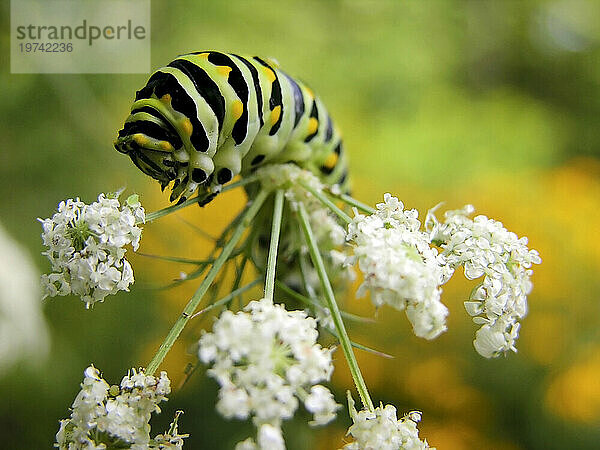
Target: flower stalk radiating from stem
(192, 305)
(317, 261)
(273, 245)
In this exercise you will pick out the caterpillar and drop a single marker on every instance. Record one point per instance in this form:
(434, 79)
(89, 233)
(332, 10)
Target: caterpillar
(209, 116)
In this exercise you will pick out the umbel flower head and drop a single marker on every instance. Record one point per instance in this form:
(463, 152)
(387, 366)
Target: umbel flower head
(382, 430)
(106, 416)
(486, 249)
(402, 267)
(399, 266)
(266, 358)
(86, 247)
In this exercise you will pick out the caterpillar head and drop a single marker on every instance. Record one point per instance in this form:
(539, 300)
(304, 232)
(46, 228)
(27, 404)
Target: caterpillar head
(153, 162)
(156, 148)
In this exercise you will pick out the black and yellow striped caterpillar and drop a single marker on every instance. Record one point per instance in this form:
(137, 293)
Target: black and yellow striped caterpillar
(208, 116)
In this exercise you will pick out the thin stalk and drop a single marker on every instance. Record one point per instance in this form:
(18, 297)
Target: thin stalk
(310, 302)
(358, 346)
(239, 271)
(206, 282)
(228, 297)
(190, 201)
(171, 209)
(353, 202)
(273, 245)
(197, 262)
(202, 265)
(238, 277)
(243, 182)
(344, 339)
(212, 294)
(224, 235)
(197, 229)
(212, 256)
(323, 199)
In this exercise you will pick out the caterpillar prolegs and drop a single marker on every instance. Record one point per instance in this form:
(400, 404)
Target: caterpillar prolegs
(208, 116)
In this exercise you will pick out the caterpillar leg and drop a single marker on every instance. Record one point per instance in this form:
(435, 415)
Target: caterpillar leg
(228, 163)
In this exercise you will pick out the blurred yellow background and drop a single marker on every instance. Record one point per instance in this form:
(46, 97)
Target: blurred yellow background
(490, 103)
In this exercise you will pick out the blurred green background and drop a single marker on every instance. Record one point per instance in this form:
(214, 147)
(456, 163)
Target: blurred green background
(490, 103)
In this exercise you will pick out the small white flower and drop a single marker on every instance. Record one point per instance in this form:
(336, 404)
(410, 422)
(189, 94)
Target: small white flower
(116, 416)
(86, 247)
(382, 430)
(265, 358)
(490, 341)
(321, 404)
(269, 438)
(399, 266)
(486, 249)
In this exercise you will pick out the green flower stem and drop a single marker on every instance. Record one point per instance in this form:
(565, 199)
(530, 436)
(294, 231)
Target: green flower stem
(190, 201)
(196, 262)
(218, 244)
(323, 199)
(310, 302)
(192, 305)
(353, 202)
(197, 229)
(243, 182)
(228, 297)
(171, 209)
(238, 278)
(275, 231)
(333, 308)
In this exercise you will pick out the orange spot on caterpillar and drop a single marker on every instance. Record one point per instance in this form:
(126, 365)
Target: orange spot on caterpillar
(237, 108)
(224, 70)
(331, 160)
(275, 114)
(187, 126)
(140, 139)
(313, 124)
(165, 145)
(270, 74)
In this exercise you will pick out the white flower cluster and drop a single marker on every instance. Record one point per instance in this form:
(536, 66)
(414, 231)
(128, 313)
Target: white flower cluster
(399, 266)
(265, 358)
(289, 177)
(488, 250)
(106, 416)
(382, 430)
(86, 247)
